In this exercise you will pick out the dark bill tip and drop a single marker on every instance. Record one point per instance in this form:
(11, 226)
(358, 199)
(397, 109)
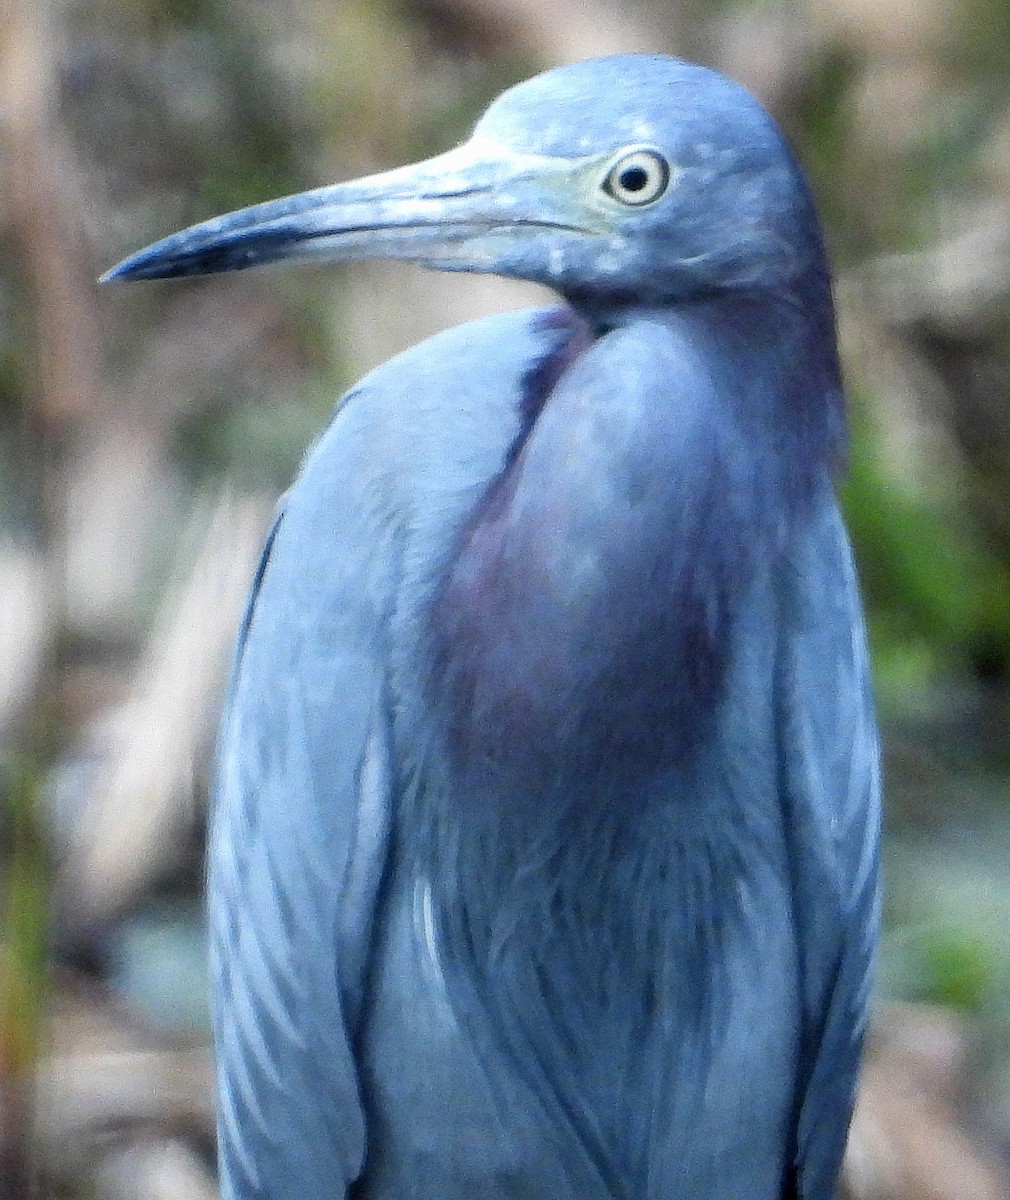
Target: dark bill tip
(196, 252)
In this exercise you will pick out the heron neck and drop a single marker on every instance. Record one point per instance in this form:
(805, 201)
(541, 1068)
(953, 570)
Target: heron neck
(584, 629)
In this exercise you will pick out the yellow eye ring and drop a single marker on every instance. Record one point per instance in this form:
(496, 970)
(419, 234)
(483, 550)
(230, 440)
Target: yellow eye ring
(638, 178)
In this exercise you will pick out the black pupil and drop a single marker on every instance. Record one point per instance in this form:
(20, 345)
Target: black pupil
(633, 179)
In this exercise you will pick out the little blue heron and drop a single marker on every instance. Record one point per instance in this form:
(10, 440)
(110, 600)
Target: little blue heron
(543, 862)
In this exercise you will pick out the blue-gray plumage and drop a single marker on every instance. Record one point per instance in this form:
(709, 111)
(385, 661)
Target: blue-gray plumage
(544, 858)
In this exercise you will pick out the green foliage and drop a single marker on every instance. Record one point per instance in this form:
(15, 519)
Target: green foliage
(925, 573)
(948, 910)
(24, 923)
(955, 969)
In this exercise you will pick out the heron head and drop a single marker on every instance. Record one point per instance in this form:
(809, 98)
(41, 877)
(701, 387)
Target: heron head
(635, 179)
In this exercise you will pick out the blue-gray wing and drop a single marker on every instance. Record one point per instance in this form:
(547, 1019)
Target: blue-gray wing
(829, 765)
(297, 852)
(306, 795)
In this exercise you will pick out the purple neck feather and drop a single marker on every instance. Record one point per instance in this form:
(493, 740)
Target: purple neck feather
(583, 631)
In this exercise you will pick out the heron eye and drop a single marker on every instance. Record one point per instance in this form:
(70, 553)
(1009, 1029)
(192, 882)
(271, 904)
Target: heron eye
(638, 178)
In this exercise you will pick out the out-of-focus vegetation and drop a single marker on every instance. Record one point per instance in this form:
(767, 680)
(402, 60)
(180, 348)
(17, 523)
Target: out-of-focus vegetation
(145, 431)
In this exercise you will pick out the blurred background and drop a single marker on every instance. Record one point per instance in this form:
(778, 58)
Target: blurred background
(145, 432)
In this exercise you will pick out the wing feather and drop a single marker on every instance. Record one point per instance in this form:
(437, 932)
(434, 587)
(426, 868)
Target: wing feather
(297, 850)
(829, 764)
(325, 715)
